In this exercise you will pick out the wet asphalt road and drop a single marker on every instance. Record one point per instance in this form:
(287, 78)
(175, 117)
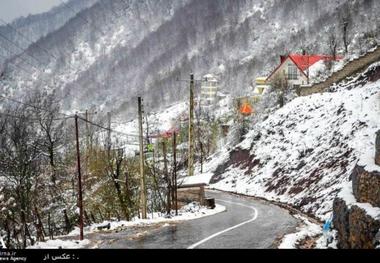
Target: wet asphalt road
(246, 223)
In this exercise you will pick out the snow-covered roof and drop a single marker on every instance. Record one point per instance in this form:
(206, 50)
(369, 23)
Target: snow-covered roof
(210, 78)
(303, 62)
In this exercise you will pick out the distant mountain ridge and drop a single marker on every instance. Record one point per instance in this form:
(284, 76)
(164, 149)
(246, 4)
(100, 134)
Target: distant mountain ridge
(33, 27)
(114, 51)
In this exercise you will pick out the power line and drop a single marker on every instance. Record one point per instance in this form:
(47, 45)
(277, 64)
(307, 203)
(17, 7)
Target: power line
(105, 128)
(22, 49)
(15, 66)
(18, 66)
(33, 106)
(38, 69)
(79, 15)
(30, 119)
(25, 38)
(15, 55)
(24, 69)
(49, 54)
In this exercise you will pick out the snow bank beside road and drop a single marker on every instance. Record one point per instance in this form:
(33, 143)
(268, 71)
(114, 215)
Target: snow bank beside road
(188, 212)
(61, 244)
(308, 229)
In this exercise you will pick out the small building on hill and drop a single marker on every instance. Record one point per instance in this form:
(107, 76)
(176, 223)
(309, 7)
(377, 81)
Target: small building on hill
(294, 70)
(209, 90)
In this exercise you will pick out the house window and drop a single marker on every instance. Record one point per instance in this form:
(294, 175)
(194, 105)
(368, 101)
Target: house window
(292, 72)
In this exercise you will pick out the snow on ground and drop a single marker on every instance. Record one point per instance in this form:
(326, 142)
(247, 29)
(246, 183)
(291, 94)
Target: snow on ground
(208, 170)
(311, 231)
(58, 243)
(203, 178)
(316, 70)
(304, 152)
(188, 212)
(321, 241)
(161, 120)
(308, 229)
(347, 195)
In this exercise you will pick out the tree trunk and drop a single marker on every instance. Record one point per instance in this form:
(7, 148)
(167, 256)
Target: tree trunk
(345, 41)
(8, 230)
(93, 217)
(121, 200)
(52, 164)
(67, 222)
(88, 221)
(24, 226)
(50, 230)
(100, 215)
(39, 226)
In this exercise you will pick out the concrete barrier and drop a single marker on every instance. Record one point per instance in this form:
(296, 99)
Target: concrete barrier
(190, 193)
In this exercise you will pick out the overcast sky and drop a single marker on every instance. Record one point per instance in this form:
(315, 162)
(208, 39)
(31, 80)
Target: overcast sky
(11, 9)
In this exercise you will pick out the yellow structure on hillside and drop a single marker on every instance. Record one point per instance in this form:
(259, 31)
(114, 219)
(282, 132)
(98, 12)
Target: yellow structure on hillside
(261, 86)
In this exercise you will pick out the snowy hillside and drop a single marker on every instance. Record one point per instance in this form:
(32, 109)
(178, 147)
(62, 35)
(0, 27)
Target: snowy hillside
(304, 153)
(105, 56)
(26, 30)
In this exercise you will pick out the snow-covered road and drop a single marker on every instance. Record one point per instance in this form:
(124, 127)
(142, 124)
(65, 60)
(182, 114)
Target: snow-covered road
(247, 223)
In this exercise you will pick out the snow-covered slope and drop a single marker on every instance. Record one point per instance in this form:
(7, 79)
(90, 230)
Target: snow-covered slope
(304, 153)
(117, 50)
(26, 30)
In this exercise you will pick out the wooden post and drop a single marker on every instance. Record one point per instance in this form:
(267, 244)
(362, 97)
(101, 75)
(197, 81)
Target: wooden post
(164, 152)
(142, 175)
(109, 135)
(87, 152)
(80, 201)
(175, 172)
(191, 127)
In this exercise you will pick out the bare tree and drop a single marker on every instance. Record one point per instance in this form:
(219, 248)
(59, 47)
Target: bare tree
(281, 86)
(332, 45)
(20, 164)
(51, 127)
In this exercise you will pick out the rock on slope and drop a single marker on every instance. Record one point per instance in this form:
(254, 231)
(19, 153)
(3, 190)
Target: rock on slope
(304, 153)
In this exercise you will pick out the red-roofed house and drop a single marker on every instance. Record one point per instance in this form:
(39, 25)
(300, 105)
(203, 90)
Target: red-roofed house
(294, 68)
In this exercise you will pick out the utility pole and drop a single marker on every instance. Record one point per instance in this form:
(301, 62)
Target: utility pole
(109, 135)
(80, 201)
(191, 127)
(87, 148)
(175, 171)
(164, 152)
(142, 175)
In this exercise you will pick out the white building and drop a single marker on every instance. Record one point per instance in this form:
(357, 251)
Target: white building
(209, 90)
(294, 69)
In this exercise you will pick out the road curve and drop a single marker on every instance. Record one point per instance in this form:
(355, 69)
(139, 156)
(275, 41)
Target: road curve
(246, 223)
